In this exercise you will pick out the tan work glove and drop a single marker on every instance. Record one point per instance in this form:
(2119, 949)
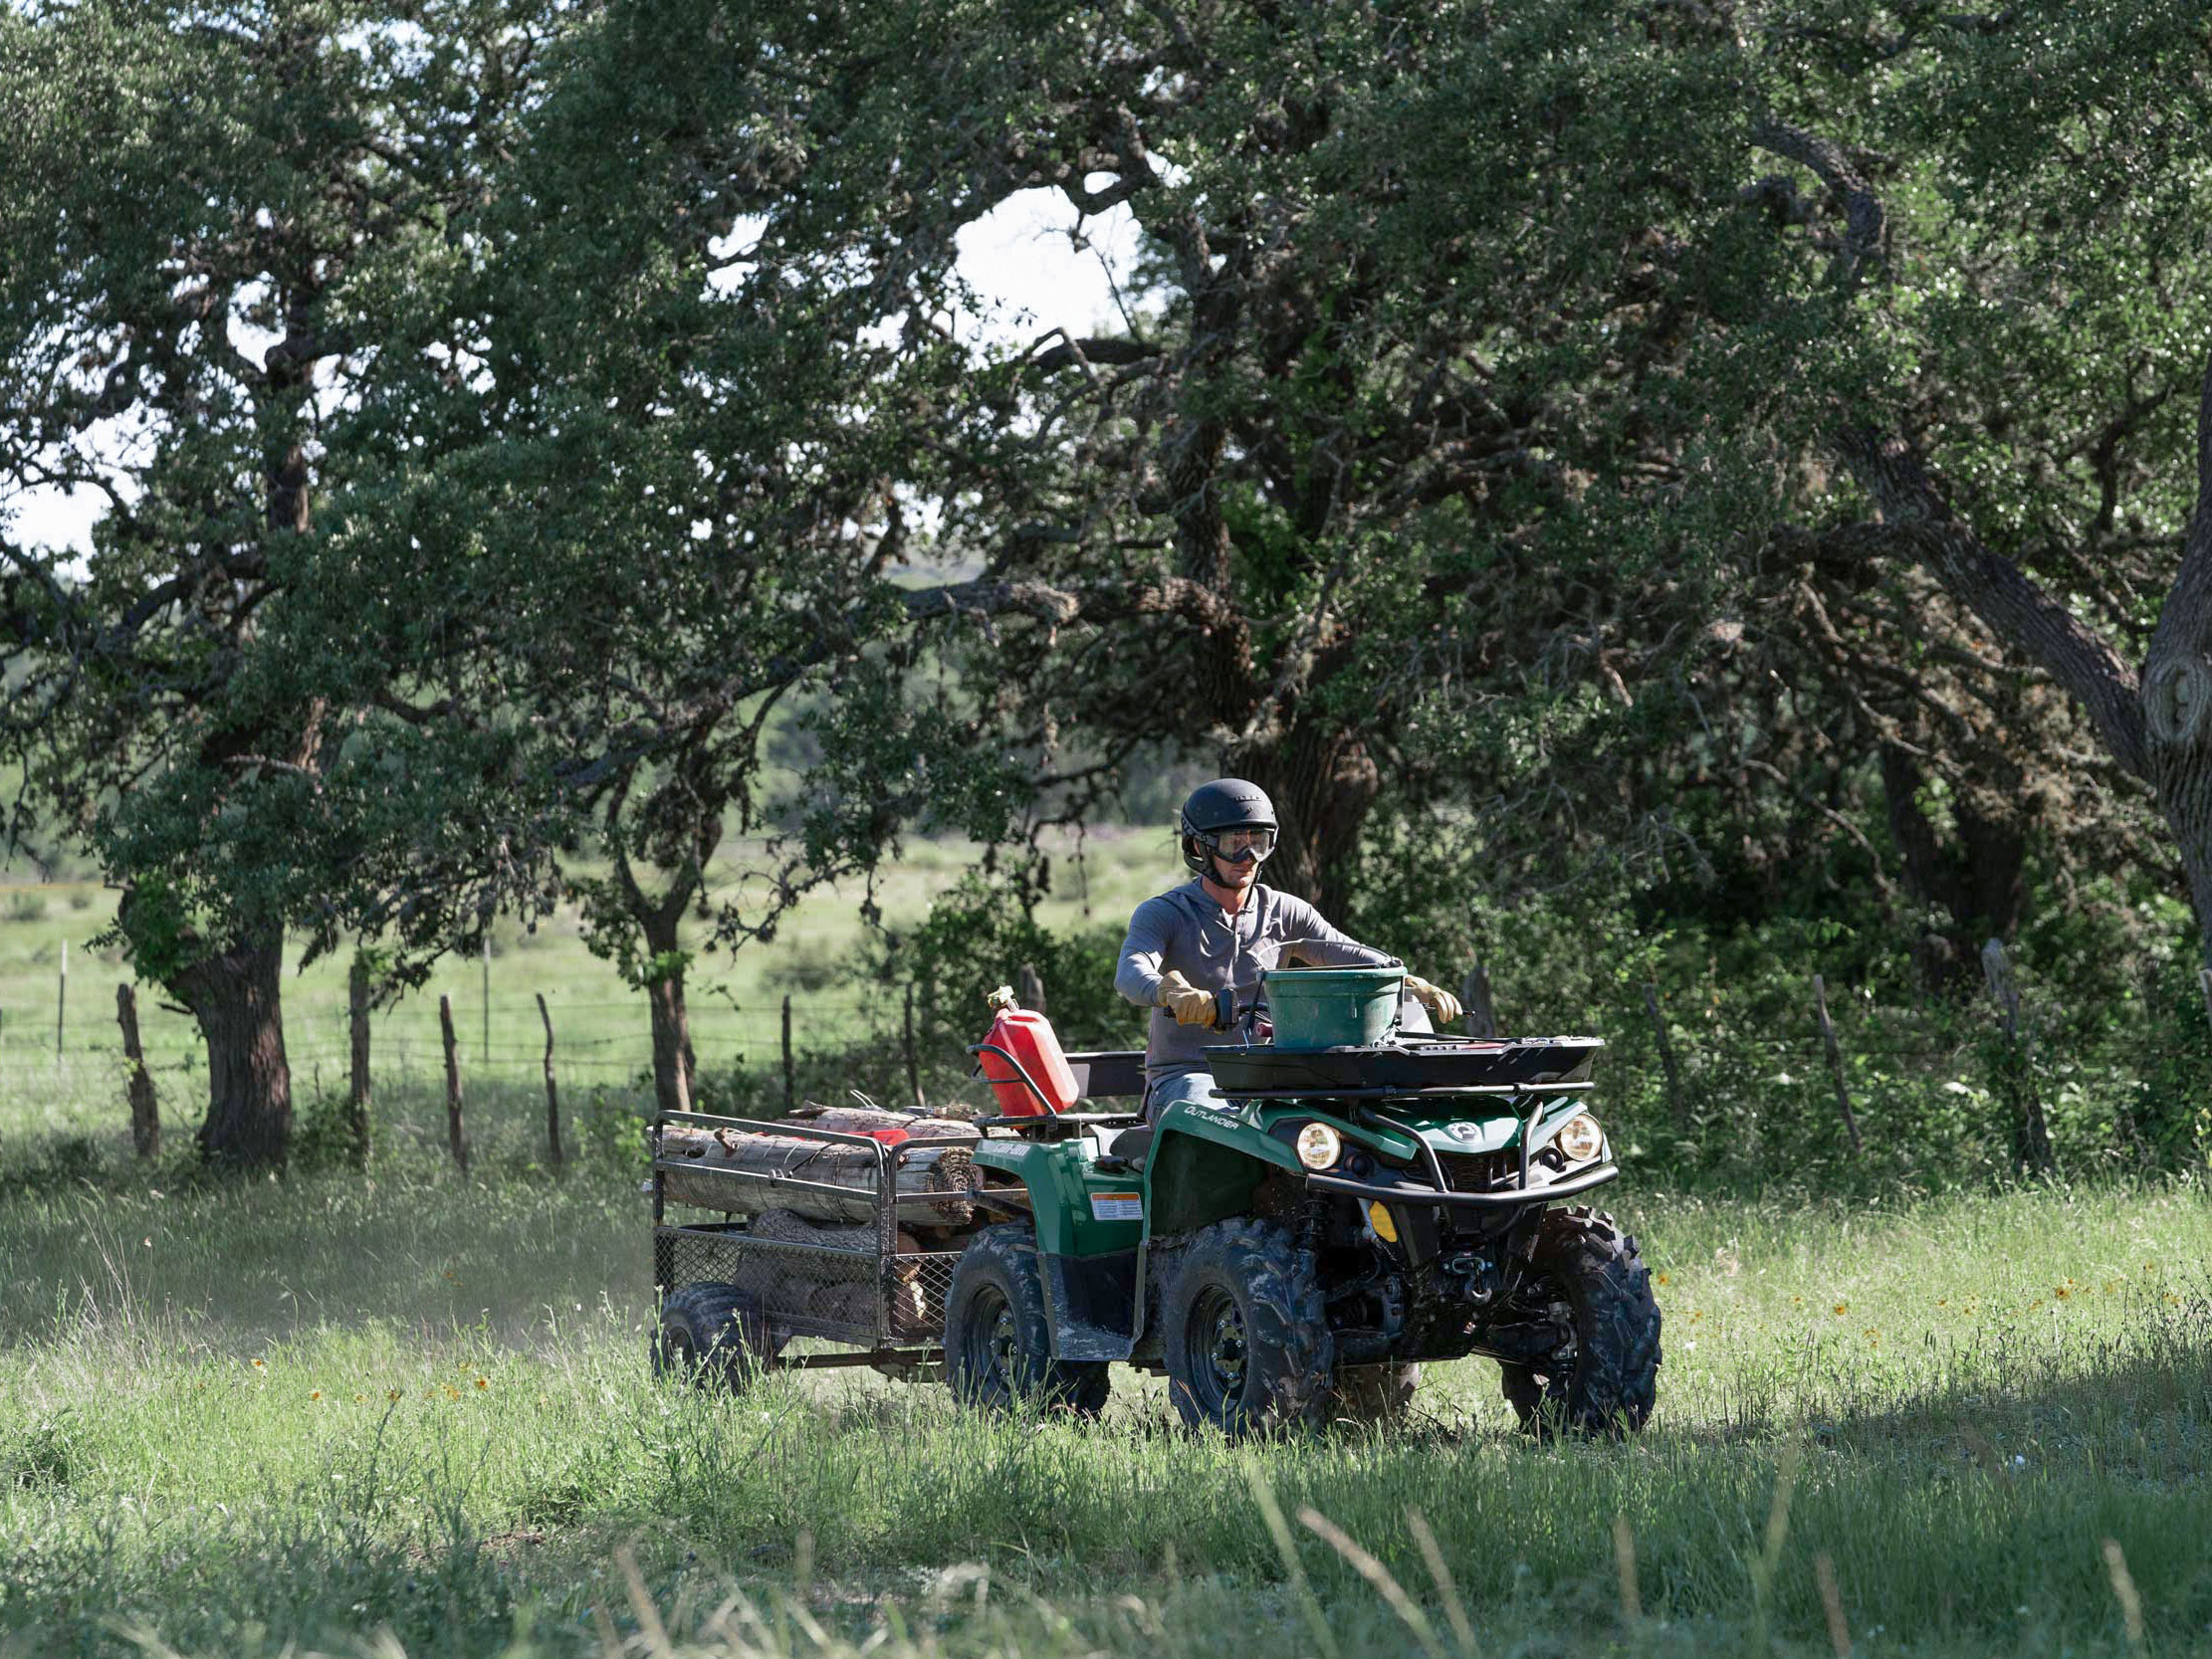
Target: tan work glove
(1189, 1004)
(1442, 1006)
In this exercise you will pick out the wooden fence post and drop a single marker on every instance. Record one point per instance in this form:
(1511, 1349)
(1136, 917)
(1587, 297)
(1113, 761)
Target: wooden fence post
(1835, 1065)
(1676, 1108)
(61, 1005)
(1029, 987)
(1474, 996)
(2032, 1136)
(146, 1115)
(356, 1090)
(454, 1141)
(913, 1058)
(487, 999)
(553, 1092)
(790, 1091)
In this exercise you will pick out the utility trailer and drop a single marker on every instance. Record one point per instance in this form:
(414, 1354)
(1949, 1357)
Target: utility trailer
(733, 1299)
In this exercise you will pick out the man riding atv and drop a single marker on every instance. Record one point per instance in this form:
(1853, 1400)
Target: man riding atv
(1218, 933)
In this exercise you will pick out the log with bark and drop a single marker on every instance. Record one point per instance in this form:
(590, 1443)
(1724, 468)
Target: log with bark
(853, 1119)
(826, 1288)
(746, 1175)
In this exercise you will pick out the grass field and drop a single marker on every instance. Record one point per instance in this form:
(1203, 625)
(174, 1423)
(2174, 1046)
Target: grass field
(410, 1416)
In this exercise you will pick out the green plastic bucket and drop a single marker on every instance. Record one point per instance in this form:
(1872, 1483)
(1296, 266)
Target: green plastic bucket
(1333, 1007)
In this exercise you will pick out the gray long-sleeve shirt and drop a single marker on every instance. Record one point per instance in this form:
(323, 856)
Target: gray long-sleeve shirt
(1185, 931)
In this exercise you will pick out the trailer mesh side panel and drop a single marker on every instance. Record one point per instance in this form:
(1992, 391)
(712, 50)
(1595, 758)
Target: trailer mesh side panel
(809, 1290)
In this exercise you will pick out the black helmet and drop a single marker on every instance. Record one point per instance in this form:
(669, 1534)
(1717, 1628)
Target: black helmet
(1226, 803)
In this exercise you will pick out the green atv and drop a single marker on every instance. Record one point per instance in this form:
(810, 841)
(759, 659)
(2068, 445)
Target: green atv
(1296, 1254)
(1289, 1257)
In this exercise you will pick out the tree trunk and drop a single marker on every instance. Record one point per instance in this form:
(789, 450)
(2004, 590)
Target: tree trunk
(672, 1058)
(2177, 693)
(1323, 784)
(234, 996)
(2181, 766)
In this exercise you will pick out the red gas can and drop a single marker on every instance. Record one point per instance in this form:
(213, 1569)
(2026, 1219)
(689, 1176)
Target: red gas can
(1027, 1038)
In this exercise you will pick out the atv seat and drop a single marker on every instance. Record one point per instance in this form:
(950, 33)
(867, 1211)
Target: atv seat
(1130, 1147)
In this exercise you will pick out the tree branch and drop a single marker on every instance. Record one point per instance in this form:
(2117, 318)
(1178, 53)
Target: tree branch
(1920, 524)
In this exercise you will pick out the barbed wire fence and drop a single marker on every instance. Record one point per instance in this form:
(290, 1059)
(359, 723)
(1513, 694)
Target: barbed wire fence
(605, 1043)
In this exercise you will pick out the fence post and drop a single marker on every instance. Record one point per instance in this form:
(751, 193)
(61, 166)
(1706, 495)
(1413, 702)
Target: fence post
(1474, 996)
(356, 1091)
(454, 1143)
(1030, 987)
(1674, 1107)
(61, 1005)
(146, 1115)
(913, 1059)
(553, 1092)
(1835, 1065)
(789, 1088)
(487, 999)
(2032, 1136)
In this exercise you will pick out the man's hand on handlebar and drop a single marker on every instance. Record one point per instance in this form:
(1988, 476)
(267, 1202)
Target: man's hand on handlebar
(1189, 1004)
(1442, 1006)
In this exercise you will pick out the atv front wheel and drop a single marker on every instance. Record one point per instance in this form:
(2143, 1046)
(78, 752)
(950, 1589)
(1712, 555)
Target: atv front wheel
(1247, 1344)
(712, 1334)
(1601, 1375)
(997, 1342)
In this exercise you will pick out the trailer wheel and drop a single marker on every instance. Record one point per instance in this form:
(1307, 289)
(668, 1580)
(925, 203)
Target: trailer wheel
(712, 1335)
(1601, 1378)
(1373, 1394)
(1246, 1341)
(998, 1340)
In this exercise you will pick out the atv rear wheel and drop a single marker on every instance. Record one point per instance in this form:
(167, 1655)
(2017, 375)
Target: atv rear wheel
(1373, 1394)
(1602, 1376)
(1247, 1344)
(712, 1335)
(998, 1340)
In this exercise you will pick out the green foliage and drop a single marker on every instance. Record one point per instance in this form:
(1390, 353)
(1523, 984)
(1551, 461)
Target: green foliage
(980, 935)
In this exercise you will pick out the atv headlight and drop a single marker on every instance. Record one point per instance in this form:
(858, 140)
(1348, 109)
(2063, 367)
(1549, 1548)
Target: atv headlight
(1319, 1145)
(1579, 1138)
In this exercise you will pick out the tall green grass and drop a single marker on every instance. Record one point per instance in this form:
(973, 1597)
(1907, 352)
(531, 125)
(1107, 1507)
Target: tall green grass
(409, 1413)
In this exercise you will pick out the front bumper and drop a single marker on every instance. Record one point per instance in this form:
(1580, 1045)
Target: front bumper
(1567, 1186)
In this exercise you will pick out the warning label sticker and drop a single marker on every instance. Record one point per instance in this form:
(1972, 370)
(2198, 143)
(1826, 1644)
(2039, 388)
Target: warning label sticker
(1117, 1206)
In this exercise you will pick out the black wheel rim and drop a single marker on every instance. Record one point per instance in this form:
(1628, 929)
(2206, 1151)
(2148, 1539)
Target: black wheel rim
(1220, 1351)
(988, 1342)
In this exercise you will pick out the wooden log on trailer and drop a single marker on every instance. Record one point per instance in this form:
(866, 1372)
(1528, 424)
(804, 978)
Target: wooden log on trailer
(741, 1173)
(826, 1288)
(857, 1120)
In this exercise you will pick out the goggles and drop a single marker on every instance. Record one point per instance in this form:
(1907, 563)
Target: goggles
(1247, 845)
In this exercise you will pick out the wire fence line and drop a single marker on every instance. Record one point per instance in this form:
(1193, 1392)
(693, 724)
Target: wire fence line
(407, 1041)
(502, 1037)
